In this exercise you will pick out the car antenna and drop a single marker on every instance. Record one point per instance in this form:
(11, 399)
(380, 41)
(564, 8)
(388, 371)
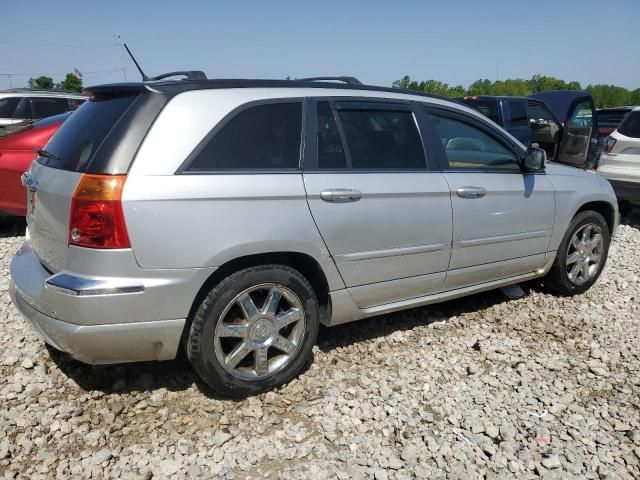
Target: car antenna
(144, 77)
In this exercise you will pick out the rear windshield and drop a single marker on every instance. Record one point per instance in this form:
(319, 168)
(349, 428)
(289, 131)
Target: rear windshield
(76, 142)
(489, 108)
(631, 125)
(610, 118)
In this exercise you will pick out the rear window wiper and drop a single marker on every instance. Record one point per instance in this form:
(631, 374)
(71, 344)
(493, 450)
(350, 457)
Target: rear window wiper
(43, 153)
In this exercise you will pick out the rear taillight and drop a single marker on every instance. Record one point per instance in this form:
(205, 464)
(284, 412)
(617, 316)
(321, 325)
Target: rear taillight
(96, 219)
(609, 142)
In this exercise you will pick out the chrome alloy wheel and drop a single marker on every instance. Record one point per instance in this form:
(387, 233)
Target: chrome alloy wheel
(260, 331)
(584, 254)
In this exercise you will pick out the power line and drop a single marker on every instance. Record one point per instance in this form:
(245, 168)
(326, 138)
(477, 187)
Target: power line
(57, 45)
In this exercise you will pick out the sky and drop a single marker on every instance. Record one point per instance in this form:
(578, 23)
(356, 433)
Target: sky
(455, 41)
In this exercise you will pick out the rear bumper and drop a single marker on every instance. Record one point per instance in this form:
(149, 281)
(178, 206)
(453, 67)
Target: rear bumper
(104, 344)
(136, 316)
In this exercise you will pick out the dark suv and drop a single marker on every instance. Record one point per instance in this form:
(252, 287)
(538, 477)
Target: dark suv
(561, 122)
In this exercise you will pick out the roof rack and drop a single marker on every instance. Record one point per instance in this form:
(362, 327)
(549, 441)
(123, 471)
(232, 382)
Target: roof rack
(349, 80)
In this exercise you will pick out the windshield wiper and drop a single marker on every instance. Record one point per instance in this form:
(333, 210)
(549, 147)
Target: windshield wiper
(43, 153)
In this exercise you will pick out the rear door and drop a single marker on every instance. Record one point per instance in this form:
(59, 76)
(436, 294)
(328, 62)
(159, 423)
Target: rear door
(385, 217)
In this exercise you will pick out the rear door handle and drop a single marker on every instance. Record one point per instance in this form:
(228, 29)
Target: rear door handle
(341, 195)
(472, 192)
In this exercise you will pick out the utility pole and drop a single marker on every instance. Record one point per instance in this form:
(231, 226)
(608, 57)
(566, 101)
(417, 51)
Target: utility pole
(120, 38)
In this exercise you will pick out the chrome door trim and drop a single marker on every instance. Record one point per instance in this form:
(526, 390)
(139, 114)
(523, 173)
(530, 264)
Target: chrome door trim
(502, 238)
(392, 252)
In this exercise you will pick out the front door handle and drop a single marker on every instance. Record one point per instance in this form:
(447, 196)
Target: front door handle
(472, 192)
(341, 195)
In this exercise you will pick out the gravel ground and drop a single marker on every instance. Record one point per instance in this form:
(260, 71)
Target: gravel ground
(482, 387)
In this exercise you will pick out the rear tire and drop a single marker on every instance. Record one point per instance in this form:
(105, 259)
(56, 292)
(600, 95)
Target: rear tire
(254, 331)
(581, 256)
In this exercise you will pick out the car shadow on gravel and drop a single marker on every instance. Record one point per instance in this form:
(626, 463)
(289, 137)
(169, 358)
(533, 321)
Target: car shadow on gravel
(384, 325)
(12, 227)
(631, 218)
(126, 378)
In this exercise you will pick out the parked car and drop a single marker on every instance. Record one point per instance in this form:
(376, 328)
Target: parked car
(610, 118)
(18, 146)
(561, 122)
(620, 160)
(234, 216)
(20, 104)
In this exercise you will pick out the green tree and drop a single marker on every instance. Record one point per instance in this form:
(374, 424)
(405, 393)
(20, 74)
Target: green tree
(71, 83)
(634, 98)
(42, 82)
(609, 95)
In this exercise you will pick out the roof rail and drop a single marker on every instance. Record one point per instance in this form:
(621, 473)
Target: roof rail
(349, 80)
(190, 74)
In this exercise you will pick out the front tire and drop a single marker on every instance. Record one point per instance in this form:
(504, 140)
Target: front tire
(254, 331)
(581, 255)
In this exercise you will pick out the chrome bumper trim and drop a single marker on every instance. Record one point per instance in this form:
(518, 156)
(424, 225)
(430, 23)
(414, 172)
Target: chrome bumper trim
(80, 287)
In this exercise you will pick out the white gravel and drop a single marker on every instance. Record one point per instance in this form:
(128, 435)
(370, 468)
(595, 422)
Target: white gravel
(482, 387)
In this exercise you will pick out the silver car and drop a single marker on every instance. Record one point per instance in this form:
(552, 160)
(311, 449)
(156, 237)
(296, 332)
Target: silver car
(227, 219)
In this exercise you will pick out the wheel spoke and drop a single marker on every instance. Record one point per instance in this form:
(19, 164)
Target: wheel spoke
(573, 258)
(595, 257)
(249, 309)
(287, 318)
(284, 344)
(261, 360)
(271, 303)
(238, 353)
(575, 242)
(574, 272)
(595, 241)
(585, 271)
(586, 233)
(238, 330)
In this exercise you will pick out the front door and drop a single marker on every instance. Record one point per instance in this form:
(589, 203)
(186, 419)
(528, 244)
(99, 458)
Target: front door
(502, 219)
(384, 216)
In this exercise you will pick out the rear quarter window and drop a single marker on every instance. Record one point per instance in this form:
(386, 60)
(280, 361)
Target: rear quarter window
(489, 108)
(261, 137)
(81, 135)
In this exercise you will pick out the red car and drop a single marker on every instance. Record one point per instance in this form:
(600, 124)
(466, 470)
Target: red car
(18, 145)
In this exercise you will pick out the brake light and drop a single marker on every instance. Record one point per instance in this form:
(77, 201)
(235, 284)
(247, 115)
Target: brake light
(96, 219)
(609, 142)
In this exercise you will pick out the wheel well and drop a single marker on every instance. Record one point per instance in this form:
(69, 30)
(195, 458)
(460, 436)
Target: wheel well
(303, 263)
(603, 208)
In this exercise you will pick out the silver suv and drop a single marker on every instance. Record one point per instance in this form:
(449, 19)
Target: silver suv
(230, 218)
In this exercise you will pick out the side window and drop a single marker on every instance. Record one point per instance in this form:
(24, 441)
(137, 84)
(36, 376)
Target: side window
(539, 115)
(23, 111)
(469, 147)
(382, 139)
(261, 137)
(518, 113)
(47, 107)
(8, 106)
(330, 150)
(75, 103)
(581, 117)
(630, 126)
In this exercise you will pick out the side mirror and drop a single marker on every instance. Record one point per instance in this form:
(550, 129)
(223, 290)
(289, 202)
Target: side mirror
(534, 160)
